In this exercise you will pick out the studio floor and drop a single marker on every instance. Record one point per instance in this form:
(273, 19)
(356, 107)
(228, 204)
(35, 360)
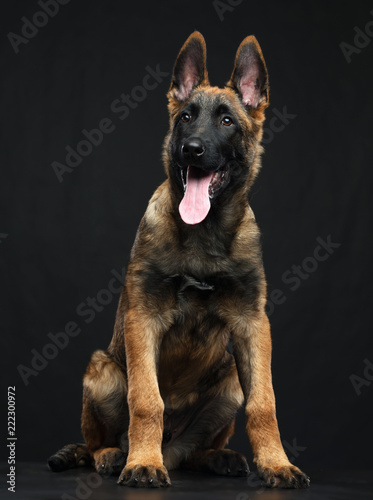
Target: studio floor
(35, 482)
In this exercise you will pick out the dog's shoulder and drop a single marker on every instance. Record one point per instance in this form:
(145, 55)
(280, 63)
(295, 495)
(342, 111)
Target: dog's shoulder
(159, 206)
(157, 226)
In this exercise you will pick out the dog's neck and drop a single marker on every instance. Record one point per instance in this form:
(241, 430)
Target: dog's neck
(216, 233)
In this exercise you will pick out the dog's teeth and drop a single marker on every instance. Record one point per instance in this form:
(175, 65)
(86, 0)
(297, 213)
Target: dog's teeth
(183, 178)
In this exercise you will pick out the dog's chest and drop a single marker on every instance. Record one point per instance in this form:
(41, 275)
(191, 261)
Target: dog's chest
(185, 285)
(195, 291)
(213, 287)
(192, 294)
(195, 300)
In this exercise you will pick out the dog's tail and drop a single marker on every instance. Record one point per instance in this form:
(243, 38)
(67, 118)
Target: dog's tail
(70, 456)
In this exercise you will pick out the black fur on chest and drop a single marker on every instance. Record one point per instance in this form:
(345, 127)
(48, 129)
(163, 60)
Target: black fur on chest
(242, 281)
(185, 283)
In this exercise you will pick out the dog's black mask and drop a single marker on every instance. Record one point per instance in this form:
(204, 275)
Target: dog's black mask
(206, 151)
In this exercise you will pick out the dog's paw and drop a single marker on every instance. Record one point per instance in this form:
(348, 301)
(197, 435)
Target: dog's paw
(227, 463)
(110, 461)
(283, 477)
(145, 476)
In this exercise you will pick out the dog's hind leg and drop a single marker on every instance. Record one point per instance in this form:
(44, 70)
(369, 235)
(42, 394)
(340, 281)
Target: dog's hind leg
(217, 459)
(221, 462)
(201, 445)
(70, 456)
(105, 414)
(109, 461)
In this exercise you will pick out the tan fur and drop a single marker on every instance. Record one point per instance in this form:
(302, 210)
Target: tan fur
(104, 379)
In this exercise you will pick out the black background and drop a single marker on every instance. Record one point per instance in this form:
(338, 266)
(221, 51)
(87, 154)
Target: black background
(65, 238)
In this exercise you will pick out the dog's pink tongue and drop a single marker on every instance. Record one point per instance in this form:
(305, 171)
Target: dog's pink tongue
(195, 205)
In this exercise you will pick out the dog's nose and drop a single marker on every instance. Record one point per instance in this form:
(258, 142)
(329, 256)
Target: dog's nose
(193, 147)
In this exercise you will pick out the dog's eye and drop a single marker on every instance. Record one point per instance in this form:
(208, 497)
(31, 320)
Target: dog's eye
(185, 117)
(227, 121)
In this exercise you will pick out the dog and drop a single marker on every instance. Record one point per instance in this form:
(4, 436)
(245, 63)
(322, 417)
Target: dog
(165, 393)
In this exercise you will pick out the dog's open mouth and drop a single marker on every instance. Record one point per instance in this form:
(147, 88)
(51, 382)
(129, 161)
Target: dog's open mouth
(199, 188)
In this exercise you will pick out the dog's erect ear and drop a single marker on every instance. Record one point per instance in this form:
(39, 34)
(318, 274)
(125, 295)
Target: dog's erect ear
(190, 68)
(250, 77)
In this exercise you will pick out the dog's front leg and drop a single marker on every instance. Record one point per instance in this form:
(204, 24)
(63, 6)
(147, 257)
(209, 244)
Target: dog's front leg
(144, 467)
(252, 350)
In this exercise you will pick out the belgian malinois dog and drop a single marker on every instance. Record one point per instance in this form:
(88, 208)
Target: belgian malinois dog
(165, 393)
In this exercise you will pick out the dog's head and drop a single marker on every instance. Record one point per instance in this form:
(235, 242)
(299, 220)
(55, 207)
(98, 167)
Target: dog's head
(213, 147)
